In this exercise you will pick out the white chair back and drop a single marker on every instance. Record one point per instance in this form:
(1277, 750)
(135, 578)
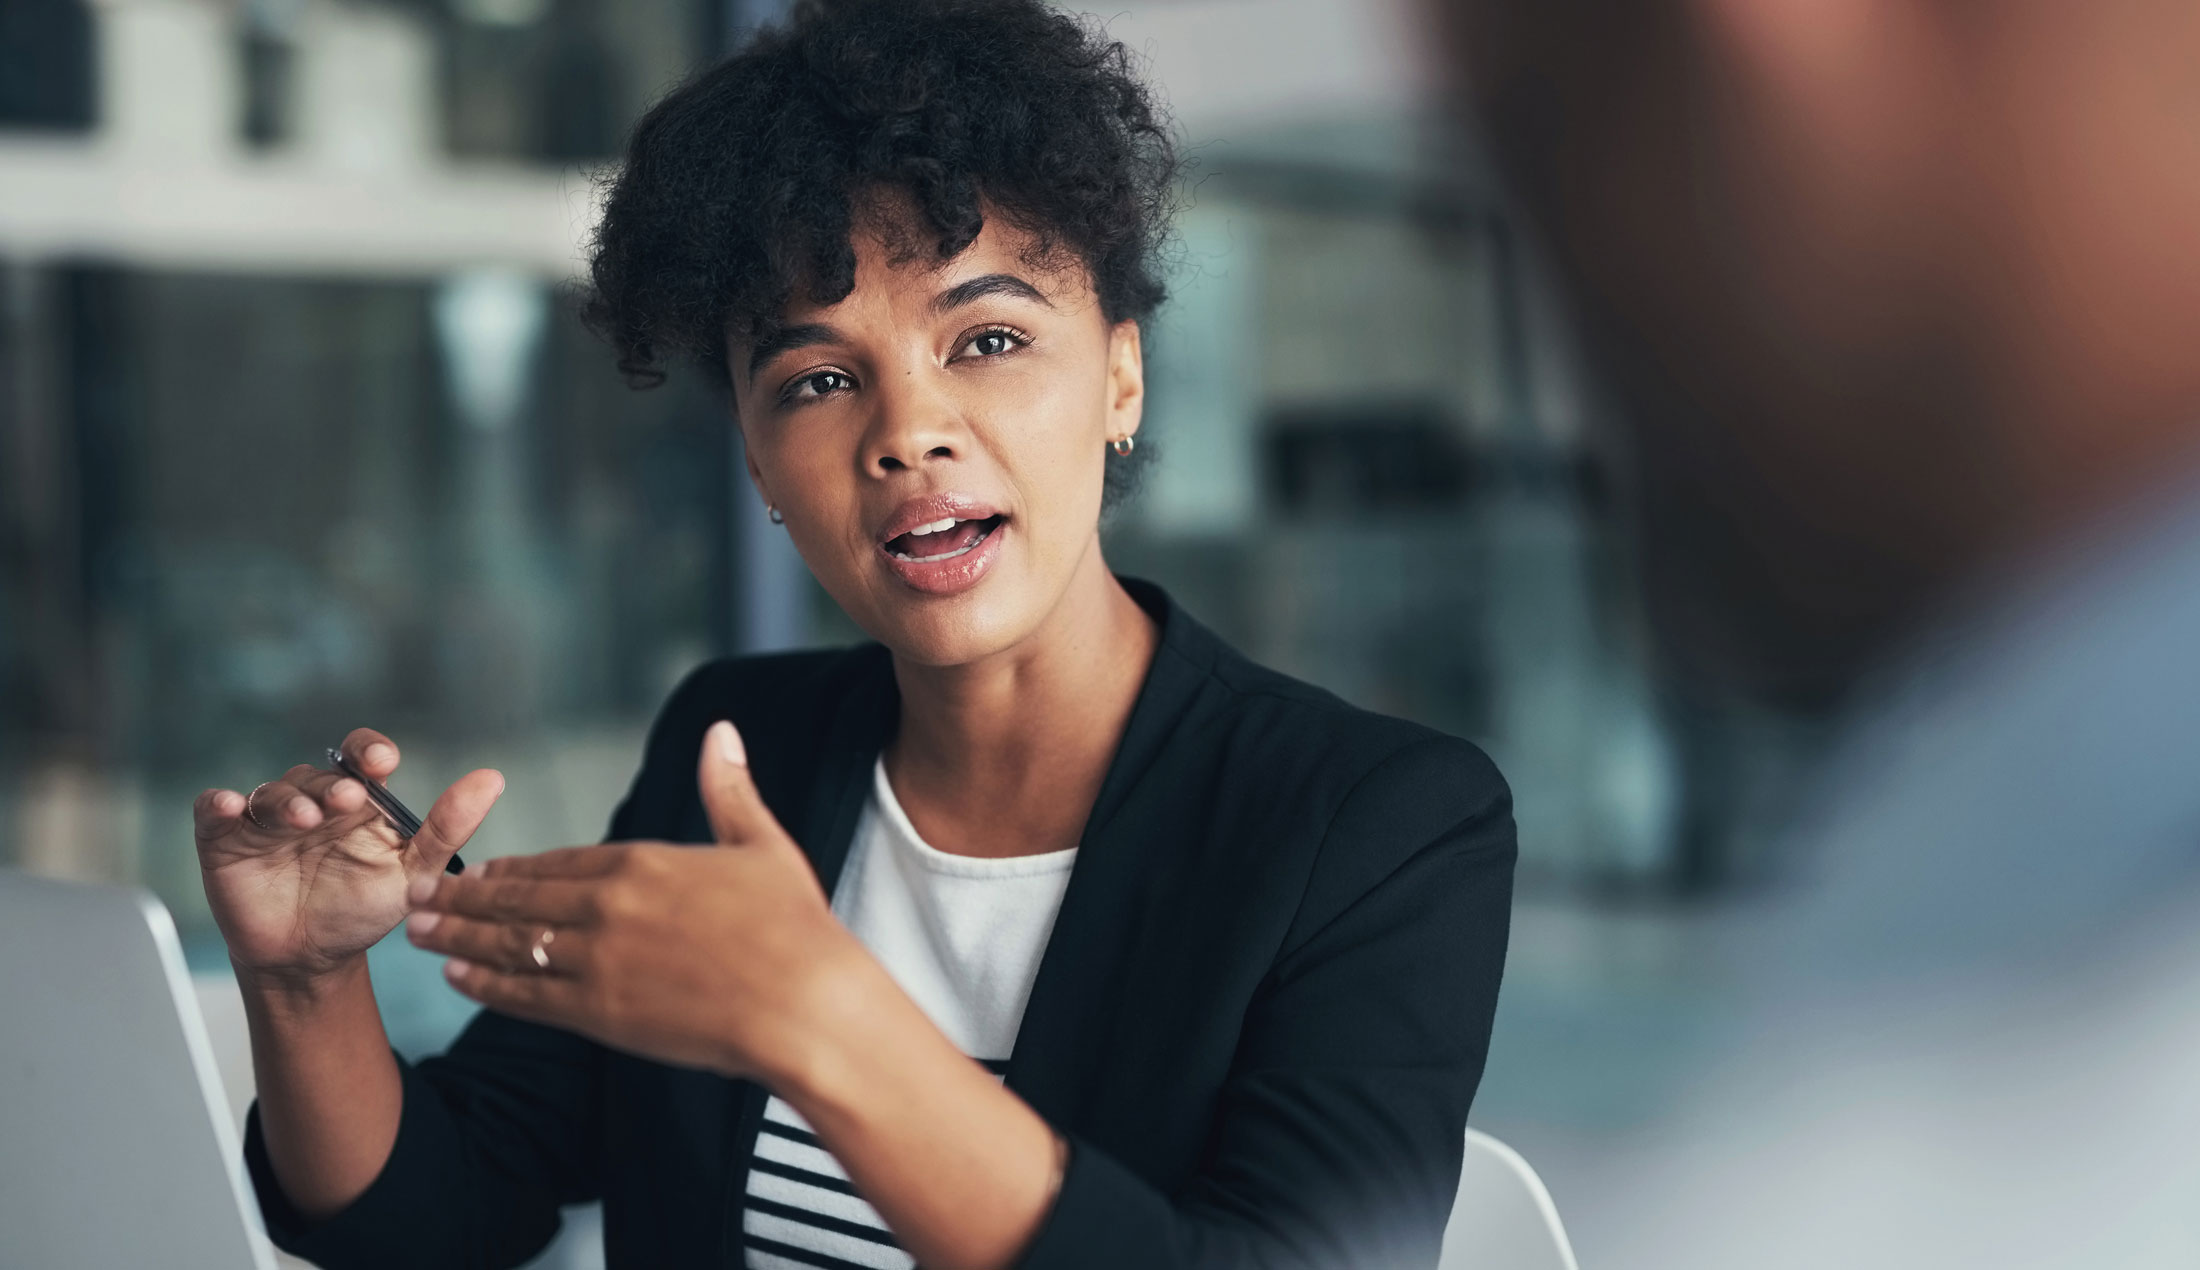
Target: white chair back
(1503, 1218)
(222, 1004)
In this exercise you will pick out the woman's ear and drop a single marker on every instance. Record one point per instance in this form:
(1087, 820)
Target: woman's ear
(1126, 379)
(756, 476)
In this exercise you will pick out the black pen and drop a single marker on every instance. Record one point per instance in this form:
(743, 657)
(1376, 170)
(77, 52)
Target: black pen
(399, 815)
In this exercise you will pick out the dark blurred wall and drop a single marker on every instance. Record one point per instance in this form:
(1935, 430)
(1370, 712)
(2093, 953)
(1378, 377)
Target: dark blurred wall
(47, 78)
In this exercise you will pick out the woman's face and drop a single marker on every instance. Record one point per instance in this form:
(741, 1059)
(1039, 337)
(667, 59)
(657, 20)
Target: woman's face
(937, 439)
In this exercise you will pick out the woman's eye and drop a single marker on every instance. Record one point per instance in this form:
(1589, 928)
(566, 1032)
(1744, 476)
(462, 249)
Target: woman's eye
(991, 343)
(810, 387)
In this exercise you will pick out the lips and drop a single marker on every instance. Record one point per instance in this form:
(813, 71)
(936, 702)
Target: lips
(942, 544)
(944, 539)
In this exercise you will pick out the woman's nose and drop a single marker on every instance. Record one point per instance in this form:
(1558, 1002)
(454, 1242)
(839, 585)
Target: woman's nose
(898, 458)
(912, 426)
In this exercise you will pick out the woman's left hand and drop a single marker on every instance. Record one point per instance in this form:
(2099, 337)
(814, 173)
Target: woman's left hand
(710, 957)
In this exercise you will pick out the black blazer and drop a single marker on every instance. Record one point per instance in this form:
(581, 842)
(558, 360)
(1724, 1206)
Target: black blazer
(1260, 1018)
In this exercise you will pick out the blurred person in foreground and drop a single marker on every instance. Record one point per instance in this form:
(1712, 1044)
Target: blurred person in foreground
(1046, 929)
(1902, 298)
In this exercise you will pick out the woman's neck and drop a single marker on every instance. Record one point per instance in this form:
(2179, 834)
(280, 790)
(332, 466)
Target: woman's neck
(1004, 756)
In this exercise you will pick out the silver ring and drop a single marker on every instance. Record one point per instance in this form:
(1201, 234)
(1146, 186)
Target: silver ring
(248, 812)
(541, 949)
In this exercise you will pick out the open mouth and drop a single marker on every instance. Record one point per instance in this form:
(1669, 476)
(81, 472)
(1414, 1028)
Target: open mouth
(942, 539)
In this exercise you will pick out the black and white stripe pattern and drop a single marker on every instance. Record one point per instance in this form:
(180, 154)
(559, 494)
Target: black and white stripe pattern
(801, 1212)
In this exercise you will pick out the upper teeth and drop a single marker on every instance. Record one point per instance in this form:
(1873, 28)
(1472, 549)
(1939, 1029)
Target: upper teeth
(937, 526)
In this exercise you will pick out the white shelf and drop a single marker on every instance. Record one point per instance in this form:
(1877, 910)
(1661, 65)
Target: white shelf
(364, 190)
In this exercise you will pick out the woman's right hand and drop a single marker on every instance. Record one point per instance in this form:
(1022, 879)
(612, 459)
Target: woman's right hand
(326, 878)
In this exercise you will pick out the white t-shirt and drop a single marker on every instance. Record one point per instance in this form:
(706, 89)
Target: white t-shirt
(962, 936)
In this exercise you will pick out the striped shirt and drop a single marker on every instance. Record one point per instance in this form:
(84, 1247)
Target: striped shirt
(962, 935)
(802, 1212)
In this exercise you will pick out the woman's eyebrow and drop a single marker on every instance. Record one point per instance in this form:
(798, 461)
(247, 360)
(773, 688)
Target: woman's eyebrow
(963, 293)
(781, 339)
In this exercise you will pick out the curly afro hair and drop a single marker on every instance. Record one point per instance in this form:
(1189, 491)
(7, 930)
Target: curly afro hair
(747, 182)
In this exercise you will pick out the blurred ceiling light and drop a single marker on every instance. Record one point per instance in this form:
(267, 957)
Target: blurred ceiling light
(276, 18)
(512, 13)
(490, 323)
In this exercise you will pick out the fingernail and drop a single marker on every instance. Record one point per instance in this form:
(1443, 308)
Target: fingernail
(377, 754)
(419, 924)
(728, 740)
(300, 807)
(423, 887)
(456, 968)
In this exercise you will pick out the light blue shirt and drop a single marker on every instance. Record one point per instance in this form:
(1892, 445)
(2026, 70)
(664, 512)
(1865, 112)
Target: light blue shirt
(1971, 1020)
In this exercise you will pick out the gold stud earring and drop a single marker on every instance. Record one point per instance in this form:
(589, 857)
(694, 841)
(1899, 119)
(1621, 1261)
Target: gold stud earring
(1123, 445)
(775, 514)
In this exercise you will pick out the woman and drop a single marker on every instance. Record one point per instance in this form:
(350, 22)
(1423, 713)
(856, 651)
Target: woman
(1224, 948)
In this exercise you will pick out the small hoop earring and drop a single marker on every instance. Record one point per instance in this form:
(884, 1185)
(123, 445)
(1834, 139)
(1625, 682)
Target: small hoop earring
(1123, 445)
(774, 513)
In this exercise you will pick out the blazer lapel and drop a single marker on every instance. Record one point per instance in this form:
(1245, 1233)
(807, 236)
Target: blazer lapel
(1077, 993)
(862, 722)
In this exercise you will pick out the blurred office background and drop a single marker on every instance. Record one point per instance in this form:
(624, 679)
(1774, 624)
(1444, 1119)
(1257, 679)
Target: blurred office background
(298, 432)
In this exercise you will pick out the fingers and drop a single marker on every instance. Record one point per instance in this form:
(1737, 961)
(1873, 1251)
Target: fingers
(505, 898)
(507, 946)
(338, 794)
(215, 812)
(598, 861)
(737, 812)
(457, 813)
(531, 995)
(370, 752)
(306, 797)
(303, 798)
(279, 809)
